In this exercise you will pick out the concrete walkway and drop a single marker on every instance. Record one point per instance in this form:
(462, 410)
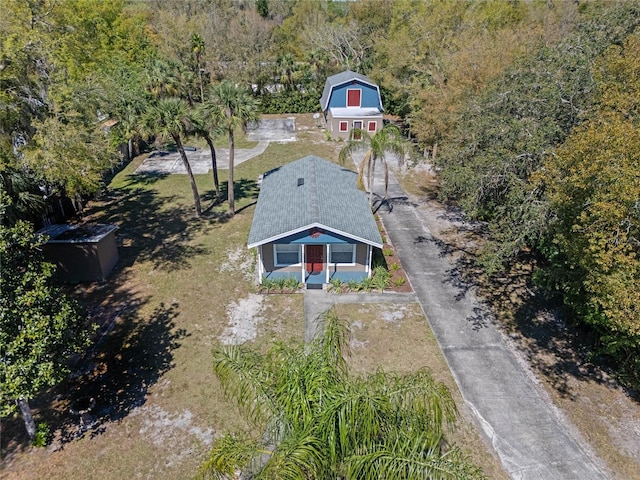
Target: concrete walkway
(532, 440)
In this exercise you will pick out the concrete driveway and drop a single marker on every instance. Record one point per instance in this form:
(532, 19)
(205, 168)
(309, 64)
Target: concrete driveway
(532, 439)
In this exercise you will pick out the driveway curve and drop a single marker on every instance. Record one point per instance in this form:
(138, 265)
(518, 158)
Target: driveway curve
(531, 438)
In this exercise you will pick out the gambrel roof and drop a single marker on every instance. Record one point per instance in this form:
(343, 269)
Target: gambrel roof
(340, 79)
(312, 193)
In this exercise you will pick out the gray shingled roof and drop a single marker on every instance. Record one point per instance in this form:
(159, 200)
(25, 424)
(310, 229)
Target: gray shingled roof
(329, 199)
(339, 79)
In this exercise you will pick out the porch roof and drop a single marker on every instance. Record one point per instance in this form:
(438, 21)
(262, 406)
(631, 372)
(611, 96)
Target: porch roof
(312, 193)
(342, 112)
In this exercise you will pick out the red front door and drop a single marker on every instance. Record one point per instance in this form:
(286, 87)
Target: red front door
(314, 258)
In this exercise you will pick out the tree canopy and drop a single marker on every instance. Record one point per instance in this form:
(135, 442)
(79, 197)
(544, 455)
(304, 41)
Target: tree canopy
(39, 326)
(311, 418)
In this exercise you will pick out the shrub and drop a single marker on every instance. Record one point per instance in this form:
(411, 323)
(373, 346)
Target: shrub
(268, 285)
(366, 284)
(281, 283)
(336, 284)
(387, 252)
(394, 266)
(381, 278)
(43, 433)
(399, 281)
(291, 283)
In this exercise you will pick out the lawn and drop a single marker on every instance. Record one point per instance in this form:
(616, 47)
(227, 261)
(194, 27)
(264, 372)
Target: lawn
(181, 287)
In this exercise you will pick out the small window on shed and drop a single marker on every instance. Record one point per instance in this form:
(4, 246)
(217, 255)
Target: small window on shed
(344, 126)
(372, 126)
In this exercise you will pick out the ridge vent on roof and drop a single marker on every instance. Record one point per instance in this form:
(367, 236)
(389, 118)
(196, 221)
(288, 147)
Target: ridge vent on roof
(313, 191)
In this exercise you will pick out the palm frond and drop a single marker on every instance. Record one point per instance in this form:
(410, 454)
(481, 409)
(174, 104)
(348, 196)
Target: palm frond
(420, 401)
(410, 457)
(299, 456)
(240, 373)
(231, 454)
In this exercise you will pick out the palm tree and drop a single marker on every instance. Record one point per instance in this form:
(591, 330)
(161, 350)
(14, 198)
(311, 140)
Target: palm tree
(386, 140)
(207, 123)
(198, 49)
(310, 419)
(129, 126)
(168, 119)
(162, 80)
(235, 107)
(20, 197)
(285, 71)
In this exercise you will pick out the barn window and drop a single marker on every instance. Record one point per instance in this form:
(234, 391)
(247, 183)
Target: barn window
(344, 126)
(353, 97)
(372, 126)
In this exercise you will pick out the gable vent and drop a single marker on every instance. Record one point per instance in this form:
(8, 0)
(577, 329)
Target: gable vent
(300, 181)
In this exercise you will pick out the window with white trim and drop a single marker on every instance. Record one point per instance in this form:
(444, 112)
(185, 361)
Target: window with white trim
(353, 97)
(344, 126)
(344, 253)
(372, 126)
(285, 255)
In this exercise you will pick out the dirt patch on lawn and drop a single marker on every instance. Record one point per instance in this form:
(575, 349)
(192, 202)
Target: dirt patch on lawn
(244, 318)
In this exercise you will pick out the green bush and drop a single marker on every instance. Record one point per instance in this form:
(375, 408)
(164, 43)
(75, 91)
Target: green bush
(43, 434)
(336, 284)
(381, 278)
(366, 284)
(268, 285)
(290, 102)
(291, 283)
(280, 284)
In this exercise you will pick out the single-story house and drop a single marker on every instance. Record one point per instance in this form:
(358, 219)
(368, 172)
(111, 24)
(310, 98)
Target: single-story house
(351, 101)
(312, 223)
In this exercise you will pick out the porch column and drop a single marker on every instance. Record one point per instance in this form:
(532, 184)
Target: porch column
(303, 257)
(369, 257)
(260, 265)
(326, 264)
